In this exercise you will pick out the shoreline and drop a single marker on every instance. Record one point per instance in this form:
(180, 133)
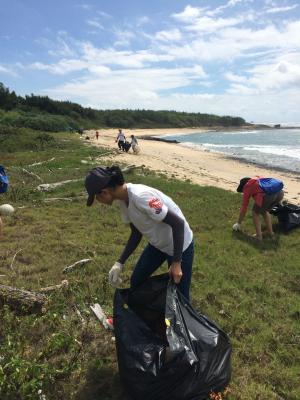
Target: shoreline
(164, 138)
(201, 167)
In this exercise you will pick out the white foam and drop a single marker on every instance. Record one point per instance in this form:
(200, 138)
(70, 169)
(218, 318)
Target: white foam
(293, 152)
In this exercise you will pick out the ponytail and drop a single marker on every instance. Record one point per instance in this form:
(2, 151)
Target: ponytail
(117, 178)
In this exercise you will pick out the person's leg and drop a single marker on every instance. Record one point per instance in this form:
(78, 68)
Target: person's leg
(120, 145)
(268, 222)
(150, 259)
(257, 223)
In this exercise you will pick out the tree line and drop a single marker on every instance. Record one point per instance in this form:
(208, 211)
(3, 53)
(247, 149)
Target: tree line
(41, 112)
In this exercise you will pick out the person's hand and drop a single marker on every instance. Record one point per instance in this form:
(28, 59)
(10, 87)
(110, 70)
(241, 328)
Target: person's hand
(114, 278)
(175, 271)
(236, 227)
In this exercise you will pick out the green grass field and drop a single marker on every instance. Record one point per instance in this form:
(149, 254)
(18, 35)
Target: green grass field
(251, 290)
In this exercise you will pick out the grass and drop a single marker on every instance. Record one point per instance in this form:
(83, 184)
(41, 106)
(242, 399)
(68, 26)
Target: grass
(251, 290)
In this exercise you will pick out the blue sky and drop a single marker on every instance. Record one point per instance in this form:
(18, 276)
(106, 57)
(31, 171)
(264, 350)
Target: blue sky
(231, 57)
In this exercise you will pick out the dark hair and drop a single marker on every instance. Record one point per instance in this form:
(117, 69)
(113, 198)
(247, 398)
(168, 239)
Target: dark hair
(117, 178)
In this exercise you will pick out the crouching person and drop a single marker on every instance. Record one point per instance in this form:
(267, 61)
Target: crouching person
(266, 193)
(149, 213)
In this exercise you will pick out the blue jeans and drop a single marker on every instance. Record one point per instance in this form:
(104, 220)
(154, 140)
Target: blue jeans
(152, 258)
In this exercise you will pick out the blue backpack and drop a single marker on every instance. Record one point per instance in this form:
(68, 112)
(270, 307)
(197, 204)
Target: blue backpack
(3, 180)
(270, 185)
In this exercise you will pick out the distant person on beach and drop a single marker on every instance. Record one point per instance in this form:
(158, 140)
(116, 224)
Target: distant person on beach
(134, 144)
(150, 213)
(265, 197)
(97, 135)
(121, 140)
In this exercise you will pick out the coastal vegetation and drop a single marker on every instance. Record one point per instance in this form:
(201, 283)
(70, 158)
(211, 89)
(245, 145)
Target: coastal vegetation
(251, 290)
(41, 112)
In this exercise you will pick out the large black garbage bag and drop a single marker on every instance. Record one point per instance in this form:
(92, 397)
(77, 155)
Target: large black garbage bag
(165, 349)
(288, 216)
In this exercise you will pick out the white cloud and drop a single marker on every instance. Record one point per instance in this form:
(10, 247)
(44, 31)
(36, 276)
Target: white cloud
(94, 23)
(171, 35)
(7, 71)
(189, 14)
(234, 78)
(124, 37)
(85, 6)
(142, 20)
(281, 9)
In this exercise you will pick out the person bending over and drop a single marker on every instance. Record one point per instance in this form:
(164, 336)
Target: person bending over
(149, 213)
(263, 202)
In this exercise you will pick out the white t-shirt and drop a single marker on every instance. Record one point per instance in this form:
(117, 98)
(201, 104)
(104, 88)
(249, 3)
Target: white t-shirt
(146, 209)
(121, 137)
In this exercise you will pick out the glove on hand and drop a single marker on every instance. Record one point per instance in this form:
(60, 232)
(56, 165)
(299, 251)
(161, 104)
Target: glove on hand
(114, 274)
(236, 227)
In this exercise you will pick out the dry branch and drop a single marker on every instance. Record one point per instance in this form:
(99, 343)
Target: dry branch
(45, 187)
(12, 262)
(77, 264)
(49, 199)
(132, 167)
(63, 284)
(21, 300)
(41, 162)
(32, 174)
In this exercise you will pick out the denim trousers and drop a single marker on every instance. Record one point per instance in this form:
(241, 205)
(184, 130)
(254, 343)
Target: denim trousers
(152, 258)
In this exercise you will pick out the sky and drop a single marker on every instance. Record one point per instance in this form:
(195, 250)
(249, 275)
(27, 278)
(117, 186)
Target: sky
(230, 57)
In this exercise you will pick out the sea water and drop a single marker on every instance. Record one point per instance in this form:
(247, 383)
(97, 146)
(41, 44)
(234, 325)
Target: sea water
(275, 148)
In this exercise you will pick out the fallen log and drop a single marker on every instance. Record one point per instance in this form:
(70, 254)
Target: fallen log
(22, 301)
(77, 264)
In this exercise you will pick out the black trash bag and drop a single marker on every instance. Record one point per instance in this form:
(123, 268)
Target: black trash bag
(165, 349)
(288, 216)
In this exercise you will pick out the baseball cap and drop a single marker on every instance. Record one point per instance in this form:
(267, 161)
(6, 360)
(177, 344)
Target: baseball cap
(96, 180)
(243, 182)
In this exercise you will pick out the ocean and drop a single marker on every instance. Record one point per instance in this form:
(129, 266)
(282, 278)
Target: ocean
(273, 148)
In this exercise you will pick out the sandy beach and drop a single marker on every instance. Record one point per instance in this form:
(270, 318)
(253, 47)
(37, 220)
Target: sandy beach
(201, 167)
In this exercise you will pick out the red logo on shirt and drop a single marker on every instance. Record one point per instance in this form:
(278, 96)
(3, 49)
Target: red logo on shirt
(156, 204)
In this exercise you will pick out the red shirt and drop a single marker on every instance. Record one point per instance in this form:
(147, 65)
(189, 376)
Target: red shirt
(252, 189)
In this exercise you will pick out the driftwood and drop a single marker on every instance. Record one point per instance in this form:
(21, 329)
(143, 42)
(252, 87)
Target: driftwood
(41, 162)
(132, 167)
(45, 187)
(32, 174)
(21, 300)
(49, 199)
(48, 289)
(77, 264)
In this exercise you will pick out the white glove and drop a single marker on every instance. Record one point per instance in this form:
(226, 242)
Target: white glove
(236, 227)
(114, 274)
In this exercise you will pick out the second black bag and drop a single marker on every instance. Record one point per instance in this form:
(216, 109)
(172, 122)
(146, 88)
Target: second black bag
(288, 216)
(165, 349)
